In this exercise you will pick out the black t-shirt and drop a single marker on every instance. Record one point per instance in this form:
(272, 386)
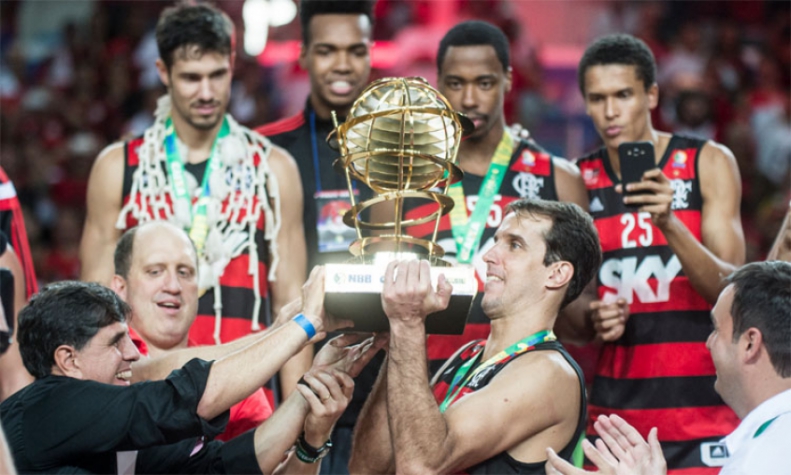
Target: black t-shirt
(65, 425)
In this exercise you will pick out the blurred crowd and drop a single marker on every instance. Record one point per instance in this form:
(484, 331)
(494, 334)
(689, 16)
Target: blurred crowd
(725, 75)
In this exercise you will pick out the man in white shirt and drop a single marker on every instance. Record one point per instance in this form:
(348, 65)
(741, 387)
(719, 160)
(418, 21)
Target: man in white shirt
(751, 349)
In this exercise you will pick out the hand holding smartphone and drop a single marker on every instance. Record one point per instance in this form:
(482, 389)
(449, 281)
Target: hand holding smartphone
(636, 158)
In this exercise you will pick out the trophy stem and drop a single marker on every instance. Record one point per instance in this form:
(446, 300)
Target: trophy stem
(398, 209)
(351, 198)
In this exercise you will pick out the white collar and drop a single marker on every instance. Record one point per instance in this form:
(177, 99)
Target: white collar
(766, 411)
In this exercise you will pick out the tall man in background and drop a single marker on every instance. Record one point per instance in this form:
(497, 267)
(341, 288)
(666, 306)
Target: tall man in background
(237, 195)
(336, 43)
(666, 253)
(474, 74)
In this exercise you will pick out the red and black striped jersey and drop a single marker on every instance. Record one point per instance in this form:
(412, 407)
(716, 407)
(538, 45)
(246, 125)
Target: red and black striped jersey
(531, 174)
(12, 223)
(659, 373)
(236, 282)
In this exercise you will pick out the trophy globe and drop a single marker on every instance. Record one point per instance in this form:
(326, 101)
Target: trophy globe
(400, 139)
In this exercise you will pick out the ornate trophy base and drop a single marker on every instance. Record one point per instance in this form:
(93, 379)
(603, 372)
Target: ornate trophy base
(353, 292)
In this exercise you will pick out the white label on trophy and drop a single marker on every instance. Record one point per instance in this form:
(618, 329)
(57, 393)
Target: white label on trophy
(351, 278)
(333, 235)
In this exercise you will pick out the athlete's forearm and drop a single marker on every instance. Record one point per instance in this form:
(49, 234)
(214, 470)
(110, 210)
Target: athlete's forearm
(706, 272)
(239, 374)
(417, 428)
(372, 447)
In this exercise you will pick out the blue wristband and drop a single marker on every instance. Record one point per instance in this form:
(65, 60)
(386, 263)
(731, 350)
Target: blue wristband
(302, 321)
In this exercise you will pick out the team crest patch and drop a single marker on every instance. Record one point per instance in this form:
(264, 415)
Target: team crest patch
(528, 185)
(528, 158)
(590, 175)
(681, 190)
(680, 159)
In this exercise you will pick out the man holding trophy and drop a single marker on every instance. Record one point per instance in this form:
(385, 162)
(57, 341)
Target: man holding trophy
(488, 410)
(474, 74)
(401, 139)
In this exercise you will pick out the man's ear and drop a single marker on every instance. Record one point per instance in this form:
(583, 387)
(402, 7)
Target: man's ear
(509, 79)
(750, 343)
(118, 285)
(303, 57)
(560, 274)
(653, 96)
(66, 362)
(164, 74)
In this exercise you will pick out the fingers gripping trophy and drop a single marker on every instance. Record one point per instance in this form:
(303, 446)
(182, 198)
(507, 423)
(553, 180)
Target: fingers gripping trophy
(400, 139)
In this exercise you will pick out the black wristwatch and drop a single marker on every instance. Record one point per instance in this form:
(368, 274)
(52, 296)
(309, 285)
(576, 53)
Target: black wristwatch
(309, 454)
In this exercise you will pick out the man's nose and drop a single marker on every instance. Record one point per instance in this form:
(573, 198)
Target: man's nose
(206, 91)
(468, 97)
(172, 283)
(611, 108)
(342, 62)
(129, 351)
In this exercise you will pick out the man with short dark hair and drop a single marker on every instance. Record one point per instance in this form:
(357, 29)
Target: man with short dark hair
(237, 195)
(336, 41)
(497, 403)
(668, 241)
(751, 349)
(337, 37)
(73, 338)
(474, 74)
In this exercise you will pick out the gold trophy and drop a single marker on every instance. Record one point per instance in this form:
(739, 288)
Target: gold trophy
(400, 139)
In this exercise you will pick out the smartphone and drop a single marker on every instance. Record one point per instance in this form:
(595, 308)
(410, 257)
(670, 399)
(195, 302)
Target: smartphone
(636, 158)
(7, 301)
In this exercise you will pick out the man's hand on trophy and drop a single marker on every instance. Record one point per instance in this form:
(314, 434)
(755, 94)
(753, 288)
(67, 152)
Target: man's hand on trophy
(349, 352)
(313, 306)
(408, 295)
(288, 311)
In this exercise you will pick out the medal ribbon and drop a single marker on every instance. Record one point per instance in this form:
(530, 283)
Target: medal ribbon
(521, 346)
(199, 227)
(467, 231)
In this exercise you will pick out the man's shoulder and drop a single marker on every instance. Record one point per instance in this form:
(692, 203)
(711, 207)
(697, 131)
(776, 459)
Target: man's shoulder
(597, 154)
(540, 366)
(280, 131)
(33, 392)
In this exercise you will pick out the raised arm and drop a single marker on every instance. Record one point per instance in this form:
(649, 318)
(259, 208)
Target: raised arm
(99, 235)
(372, 448)
(292, 255)
(722, 249)
(497, 418)
(152, 369)
(237, 375)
